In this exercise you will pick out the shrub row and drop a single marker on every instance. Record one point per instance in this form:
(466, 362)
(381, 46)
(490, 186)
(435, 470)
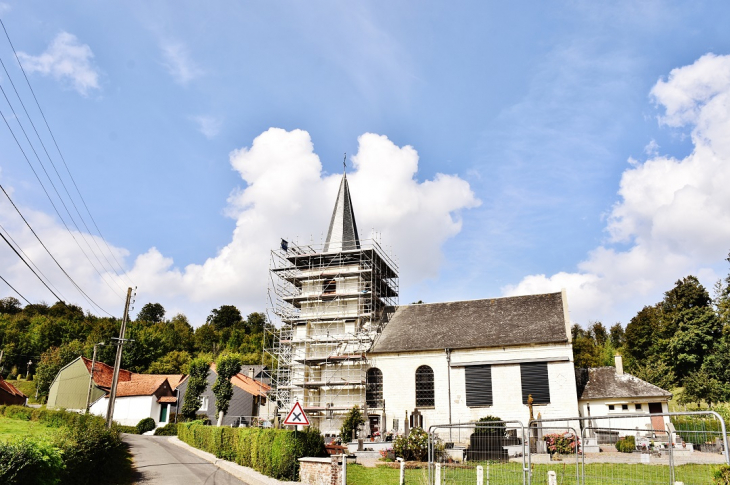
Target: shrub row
(83, 452)
(273, 452)
(627, 444)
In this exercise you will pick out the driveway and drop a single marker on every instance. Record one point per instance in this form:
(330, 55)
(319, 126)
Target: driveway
(158, 462)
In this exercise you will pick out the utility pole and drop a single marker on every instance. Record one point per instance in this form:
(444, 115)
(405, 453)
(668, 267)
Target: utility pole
(118, 361)
(91, 377)
(27, 372)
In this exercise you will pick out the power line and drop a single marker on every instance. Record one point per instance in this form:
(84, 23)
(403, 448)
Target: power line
(51, 200)
(7, 233)
(63, 184)
(55, 190)
(16, 291)
(26, 263)
(87, 297)
(59, 151)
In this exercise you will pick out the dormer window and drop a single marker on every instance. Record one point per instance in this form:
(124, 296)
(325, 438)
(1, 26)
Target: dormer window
(329, 287)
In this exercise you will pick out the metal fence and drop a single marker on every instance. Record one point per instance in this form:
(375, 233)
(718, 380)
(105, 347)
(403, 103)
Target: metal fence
(625, 448)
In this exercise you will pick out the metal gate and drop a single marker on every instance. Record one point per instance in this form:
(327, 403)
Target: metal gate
(640, 448)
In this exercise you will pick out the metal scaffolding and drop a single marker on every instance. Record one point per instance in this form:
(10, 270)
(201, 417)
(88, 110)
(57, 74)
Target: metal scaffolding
(327, 308)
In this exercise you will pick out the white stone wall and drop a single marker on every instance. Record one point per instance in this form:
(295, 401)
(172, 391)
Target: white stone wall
(399, 387)
(625, 421)
(129, 411)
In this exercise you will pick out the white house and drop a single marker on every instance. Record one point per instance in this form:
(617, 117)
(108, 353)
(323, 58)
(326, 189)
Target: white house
(608, 391)
(143, 396)
(484, 357)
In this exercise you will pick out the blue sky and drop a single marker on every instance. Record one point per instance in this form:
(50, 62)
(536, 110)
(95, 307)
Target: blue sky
(536, 111)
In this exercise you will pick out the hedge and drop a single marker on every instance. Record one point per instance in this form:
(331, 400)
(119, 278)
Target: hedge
(273, 452)
(84, 452)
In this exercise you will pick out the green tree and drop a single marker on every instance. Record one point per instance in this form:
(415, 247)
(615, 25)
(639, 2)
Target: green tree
(175, 362)
(642, 335)
(10, 305)
(227, 316)
(206, 338)
(617, 337)
(152, 313)
(353, 419)
(227, 366)
(52, 361)
(584, 348)
(656, 372)
(700, 386)
(197, 382)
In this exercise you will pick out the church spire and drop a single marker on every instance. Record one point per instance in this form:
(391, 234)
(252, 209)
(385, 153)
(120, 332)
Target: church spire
(342, 233)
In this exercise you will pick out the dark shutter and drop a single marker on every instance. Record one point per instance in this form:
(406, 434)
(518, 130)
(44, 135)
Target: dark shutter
(479, 385)
(535, 381)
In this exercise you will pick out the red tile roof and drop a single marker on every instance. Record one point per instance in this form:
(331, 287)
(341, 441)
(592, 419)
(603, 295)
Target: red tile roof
(170, 399)
(103, 373)
(251, 386)
(9, 388)
(174, 379)
(141, 385)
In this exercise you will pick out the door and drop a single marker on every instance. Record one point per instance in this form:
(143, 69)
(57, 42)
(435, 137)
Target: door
(163, 413)
(657, 422)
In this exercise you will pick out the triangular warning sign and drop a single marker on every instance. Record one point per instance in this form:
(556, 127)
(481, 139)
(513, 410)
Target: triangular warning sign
(297, 416)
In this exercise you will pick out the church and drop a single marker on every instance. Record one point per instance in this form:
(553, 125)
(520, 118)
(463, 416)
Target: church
(344, 340)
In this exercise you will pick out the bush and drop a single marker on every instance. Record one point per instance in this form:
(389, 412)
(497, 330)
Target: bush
(170, 429)
(273, 452)
(413, 447)
(125, 429)
(562, 443)
(147, 424)
(722, 475)
(627, 444)
(28, 462)
(491, 426)
(80, 454)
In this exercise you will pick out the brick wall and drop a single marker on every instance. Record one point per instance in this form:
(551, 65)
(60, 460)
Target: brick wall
(320, 471)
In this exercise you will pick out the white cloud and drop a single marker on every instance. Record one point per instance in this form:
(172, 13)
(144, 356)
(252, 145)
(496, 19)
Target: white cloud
(65, 59)
(674, 214)
(178, 62)
(287, 195)
(209, 126)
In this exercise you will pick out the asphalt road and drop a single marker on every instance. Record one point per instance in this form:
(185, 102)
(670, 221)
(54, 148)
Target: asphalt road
(158, 462)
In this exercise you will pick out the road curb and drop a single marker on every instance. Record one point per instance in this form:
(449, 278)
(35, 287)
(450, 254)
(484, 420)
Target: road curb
(248, 475)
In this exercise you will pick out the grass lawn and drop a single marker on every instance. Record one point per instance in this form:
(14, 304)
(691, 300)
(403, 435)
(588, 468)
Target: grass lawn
(510, 473)
(17, 427)
(26, 387)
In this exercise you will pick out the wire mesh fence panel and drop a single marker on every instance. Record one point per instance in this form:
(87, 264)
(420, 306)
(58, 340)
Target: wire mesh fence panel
(478, 453)
(553, 448)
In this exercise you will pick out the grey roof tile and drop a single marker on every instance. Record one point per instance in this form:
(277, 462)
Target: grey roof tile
(342, 234)
(496, 322)
(604, 383)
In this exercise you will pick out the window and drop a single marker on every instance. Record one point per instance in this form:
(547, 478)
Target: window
(535, 381)
(424, 387)
(479, 385)
(611, 407)
(374, 388)
(203, 403)
(625, 407)
(329, 287)
(637, 407)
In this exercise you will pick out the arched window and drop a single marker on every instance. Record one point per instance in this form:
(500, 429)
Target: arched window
(374, 389)
(424, 387)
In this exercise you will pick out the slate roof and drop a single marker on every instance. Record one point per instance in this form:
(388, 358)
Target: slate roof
(604, 383)
(342, 233)
(497, 322)
(10, 389)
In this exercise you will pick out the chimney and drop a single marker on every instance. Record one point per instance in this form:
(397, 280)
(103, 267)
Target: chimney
(619, 365)
(250, 372)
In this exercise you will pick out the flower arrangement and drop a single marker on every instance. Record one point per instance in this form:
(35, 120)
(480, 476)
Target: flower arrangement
(561, 443)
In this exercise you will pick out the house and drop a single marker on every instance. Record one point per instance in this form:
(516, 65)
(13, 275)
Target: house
(138, 395)
(142, 396)
(609, 391)
(460, 361)
(70, 388)
(249, 396)
(9, 394)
